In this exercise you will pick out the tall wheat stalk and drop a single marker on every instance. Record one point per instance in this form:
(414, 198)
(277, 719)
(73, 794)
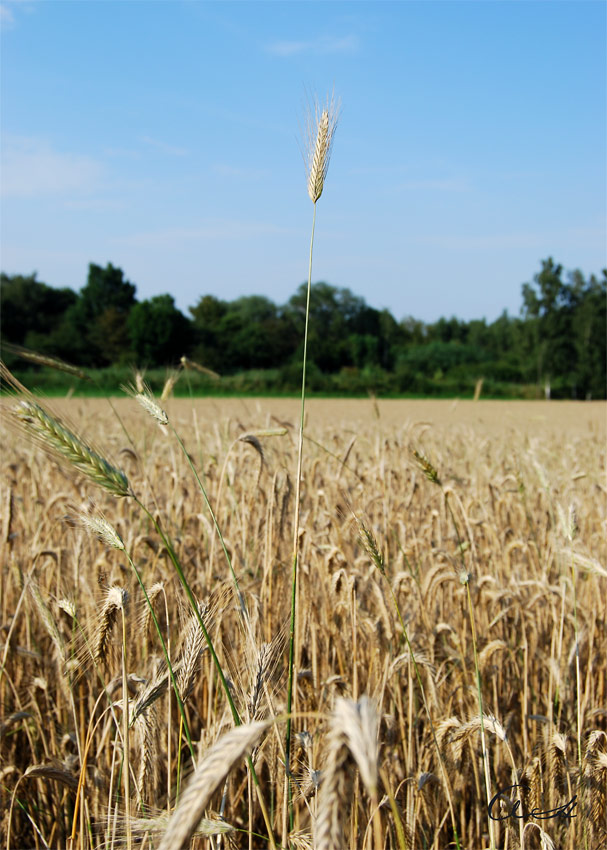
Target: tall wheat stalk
(320, 133)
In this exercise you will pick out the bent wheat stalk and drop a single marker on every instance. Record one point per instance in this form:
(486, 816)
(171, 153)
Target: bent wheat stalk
(213, 769)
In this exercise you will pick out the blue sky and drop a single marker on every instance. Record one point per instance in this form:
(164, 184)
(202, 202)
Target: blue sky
(164, 137)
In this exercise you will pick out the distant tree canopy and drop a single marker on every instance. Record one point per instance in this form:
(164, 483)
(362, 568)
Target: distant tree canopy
(248, 333)
(159, 333)
(558, 339)
(30, 311)
(95, 329)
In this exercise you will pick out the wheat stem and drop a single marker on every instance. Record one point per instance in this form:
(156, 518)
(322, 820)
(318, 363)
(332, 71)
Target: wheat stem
(216, 662)
(292, 624)
(166, 656)
(239, 595)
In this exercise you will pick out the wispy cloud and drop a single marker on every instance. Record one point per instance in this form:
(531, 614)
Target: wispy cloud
(7, 19)
(482, 242)
(321, 45)
(211, 230)
(122, 153)
(7, 16)
(95, 205)
(30, 167)
(163, 147)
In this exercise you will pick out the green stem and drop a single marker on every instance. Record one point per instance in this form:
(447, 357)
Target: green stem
(166, 657)
(296, 533)
(195, 609)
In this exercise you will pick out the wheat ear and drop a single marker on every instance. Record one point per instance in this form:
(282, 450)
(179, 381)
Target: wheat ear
(194, 645)
(359, 723)
(154, 825)
(53, 435)
(335, 792)
(546, 843)
(217, 763)
(143, 395)
(101, 528)
(115, 600)
(48, 620)
(353, 734)
(45, 360)
(146, 727)
(321, 129)
(595, 780)
(263, 665)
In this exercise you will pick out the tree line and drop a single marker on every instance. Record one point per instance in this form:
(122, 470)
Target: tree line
(557, 341)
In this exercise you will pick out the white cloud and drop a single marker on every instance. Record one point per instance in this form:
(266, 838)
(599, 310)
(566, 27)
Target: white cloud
(171, 150)
(30, 167)
(322, 45)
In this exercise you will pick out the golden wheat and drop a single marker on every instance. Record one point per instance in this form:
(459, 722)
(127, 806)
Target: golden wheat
(57, 728)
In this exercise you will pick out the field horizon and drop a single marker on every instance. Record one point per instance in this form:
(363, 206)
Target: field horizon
(533, 416)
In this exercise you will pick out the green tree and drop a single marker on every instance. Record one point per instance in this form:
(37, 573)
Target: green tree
(335, 315)
(31, 311)
(508, 352)
(589, 335)
(106, 287)
(446, 330)
(95, 331)
(207, 316)
(258, 334)
(389, 339)
(158, 331)
(548, 308)
(413, 331)
(364, 350)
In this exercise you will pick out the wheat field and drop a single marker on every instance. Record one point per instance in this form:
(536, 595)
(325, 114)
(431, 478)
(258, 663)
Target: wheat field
(482, 561)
